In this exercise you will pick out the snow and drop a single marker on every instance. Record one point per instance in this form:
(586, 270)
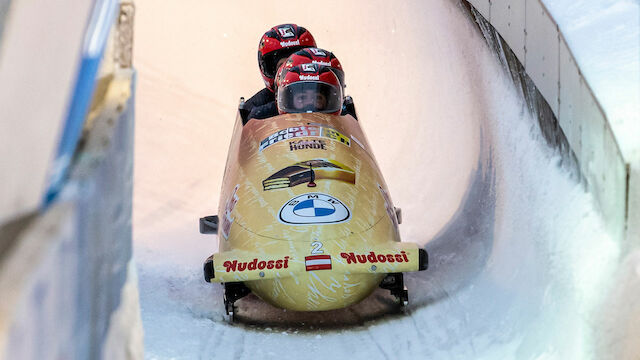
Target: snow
(520, 263)
(124, 337)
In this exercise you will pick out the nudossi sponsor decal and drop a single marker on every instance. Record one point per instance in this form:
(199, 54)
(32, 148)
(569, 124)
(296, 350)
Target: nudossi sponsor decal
(290, 43)
(255, 264)
(323, 63)
(372, 257)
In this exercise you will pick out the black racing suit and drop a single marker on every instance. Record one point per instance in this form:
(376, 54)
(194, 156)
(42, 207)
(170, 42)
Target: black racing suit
(262, 105)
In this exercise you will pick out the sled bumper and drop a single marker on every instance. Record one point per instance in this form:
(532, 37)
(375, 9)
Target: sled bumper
(238, 265)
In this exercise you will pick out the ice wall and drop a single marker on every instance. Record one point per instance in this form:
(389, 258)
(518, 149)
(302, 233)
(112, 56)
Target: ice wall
(520, 259)
(68, 265)
(66, 277)
(527, 37)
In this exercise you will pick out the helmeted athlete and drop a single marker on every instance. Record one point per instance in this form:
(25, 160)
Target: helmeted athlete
(316, 56)
(309, 88)
(275, 47)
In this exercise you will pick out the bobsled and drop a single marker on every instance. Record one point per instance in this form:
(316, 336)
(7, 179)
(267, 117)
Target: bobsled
(305, 220)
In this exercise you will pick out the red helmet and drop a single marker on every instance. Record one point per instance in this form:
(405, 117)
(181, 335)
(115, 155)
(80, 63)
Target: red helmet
(278, 43)
(309, 88)
(317, 56)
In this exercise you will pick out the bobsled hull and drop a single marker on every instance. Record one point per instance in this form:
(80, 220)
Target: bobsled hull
(305, 218)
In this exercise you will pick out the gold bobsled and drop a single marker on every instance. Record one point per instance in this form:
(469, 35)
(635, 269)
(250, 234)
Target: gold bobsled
(305, 218)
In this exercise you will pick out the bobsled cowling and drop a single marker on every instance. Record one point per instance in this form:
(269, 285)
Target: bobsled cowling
(305, 219)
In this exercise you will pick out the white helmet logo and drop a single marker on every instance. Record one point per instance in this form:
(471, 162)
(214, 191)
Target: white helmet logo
(286, 32)
(317, 52)
(309, 67)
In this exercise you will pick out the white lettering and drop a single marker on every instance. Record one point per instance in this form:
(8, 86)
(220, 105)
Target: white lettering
(289, 43)
(309, 77)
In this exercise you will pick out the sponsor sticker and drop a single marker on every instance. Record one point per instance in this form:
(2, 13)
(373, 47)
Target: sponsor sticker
(307, 144)
(317, 262)
(286, 31)
(307, 172)
(227, 220)
(309, 77)
(304, 131)
(319, 62)
(314, 208)
(255, 264)
(309, 68)
(372, 257)
(317, 52)
(289, 43)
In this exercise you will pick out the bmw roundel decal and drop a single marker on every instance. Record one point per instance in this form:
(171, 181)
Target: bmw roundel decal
(314, 208)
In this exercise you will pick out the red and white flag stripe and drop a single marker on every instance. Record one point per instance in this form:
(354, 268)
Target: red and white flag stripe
(318, 262)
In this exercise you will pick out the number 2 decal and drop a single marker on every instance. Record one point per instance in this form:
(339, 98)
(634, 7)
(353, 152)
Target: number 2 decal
(316, 248)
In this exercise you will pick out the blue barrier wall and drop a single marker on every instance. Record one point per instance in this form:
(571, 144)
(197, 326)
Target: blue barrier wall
(104, 229)
(98, 30)
(72, 277)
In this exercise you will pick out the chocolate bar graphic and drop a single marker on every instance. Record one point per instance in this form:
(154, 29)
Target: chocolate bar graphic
(307, 172)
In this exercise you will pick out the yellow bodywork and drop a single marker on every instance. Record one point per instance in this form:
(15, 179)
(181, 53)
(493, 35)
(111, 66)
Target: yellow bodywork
(306, 221)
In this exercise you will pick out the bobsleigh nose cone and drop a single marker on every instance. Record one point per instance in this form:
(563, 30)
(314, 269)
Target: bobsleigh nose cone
(316, 290)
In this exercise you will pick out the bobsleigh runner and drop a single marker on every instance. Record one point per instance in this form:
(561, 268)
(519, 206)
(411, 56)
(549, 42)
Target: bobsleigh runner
(306, 221)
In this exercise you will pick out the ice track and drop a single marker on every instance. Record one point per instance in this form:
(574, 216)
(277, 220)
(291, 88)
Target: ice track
(518, 253)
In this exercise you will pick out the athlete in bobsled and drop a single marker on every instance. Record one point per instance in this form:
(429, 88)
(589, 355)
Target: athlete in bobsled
(274, 48)
(309, 88)
(316, 56)
(306, 221)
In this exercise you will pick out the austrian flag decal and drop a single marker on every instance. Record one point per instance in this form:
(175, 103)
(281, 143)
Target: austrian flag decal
(317, 262)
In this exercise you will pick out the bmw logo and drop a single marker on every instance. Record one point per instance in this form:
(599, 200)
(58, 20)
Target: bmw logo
(314, 208)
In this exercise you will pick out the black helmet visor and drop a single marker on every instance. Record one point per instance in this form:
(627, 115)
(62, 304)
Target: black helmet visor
(309, 96)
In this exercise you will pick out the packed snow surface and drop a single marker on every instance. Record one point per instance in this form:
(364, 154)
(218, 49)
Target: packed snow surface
(520, 263)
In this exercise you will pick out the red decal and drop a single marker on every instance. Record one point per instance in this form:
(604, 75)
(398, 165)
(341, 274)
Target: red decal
(317, 262)
(255, 264)
(372, 257)
(350, 257)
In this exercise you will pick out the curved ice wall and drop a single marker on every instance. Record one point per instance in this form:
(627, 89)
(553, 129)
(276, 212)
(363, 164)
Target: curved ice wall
(530, 44)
